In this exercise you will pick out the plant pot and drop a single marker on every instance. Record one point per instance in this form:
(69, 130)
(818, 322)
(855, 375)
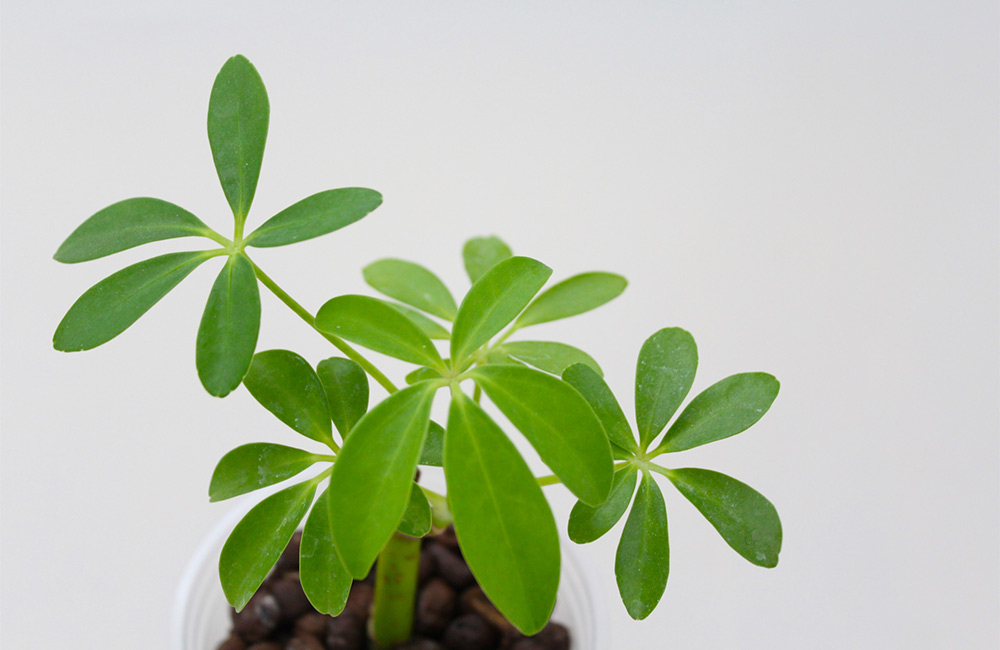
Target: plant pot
(201, 614)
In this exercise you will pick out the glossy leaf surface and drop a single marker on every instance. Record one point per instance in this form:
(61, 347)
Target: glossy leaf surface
(504, 525)
(254, 466)
(127, 224)
(548, 356)
(587, 523)
(573, 296)
(433, 451)
(746, 520)
(258, 540)
(109, 307)
(238, 113)
(323, 576)
(558, 423)
(314, 216)
(416, 521)
(494, 301)
(377, 326)
(286, 385)
(346, 386)
(722, 410)
(663, 377)
(411, 284)
(429, 326)
(227, 335)
(370, 484)
(480, 254)
(642, 562)
(594, 389)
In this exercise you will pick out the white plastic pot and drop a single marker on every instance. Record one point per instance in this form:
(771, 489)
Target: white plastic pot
(201, 614)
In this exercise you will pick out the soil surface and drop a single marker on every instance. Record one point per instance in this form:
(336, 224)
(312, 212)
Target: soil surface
(452, 613)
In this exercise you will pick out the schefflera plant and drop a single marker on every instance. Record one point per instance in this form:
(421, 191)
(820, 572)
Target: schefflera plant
(372, 509)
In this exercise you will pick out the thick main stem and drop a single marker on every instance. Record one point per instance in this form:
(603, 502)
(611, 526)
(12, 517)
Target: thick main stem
(395, 591)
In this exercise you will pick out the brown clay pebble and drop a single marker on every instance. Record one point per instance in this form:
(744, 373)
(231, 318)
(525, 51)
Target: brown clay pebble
(435, 608)
(345, 632)
(359, 601)
(232, 643)
(313, 623)
(451, 566)
(307, 642)
(471, 632)
(554, 637)
(426, 568)
(259, 618)
(475, 601)
(291, 599)
(289, 559)
(447, 537)
(265, 645)
(420, 644)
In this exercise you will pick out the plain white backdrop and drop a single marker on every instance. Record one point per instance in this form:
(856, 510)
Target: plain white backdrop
(809, 187)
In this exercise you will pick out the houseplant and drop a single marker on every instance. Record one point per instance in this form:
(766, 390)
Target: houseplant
(372, 511)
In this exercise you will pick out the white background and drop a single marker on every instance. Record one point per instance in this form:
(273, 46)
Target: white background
(808, 187)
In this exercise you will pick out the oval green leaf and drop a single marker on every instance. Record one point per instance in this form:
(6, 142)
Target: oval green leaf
(587, 524)
(286, 385)
(480, 254)
(430, 327)
(722, 410)
(109, 307)
(258, 540)
(663, 377)
(346, 386)
(558, 423)
(504, 525)
(416, 521)
(411, 284)
(602, 400)
(642, 562)
(548, 356)
(314, 216)
(377, 326)
(238, 113)
(128, 224)
(746, 520)
(494, 301)
(573, 296)
(324, 578)
(432, 454)
(370, 484)
(227, 335)
(251, 467)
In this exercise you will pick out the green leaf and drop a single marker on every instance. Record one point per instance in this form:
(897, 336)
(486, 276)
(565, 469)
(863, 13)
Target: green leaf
(643, 559)
(573, 296)
(314, 216)
(548, 356)
(237, 129)
(433, 452)
(254, 466)
(377, 326)
(481, 254)
(127, 224)
(558, 423)
(286, 385)
(370, 484)
(258, 540)
(504, 525)
(324, 577)
(416, 521)
(429, 327)
(663, 377)
(587, 523)
(227, 335)
(109, 307)
(493, 301)
(722, 410)
(421, 374)
(346, 386)
(745, 519)
(602, 400)
(411, 284)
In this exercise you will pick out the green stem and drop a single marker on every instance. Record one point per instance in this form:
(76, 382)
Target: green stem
(338, 342)
(395, 591)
